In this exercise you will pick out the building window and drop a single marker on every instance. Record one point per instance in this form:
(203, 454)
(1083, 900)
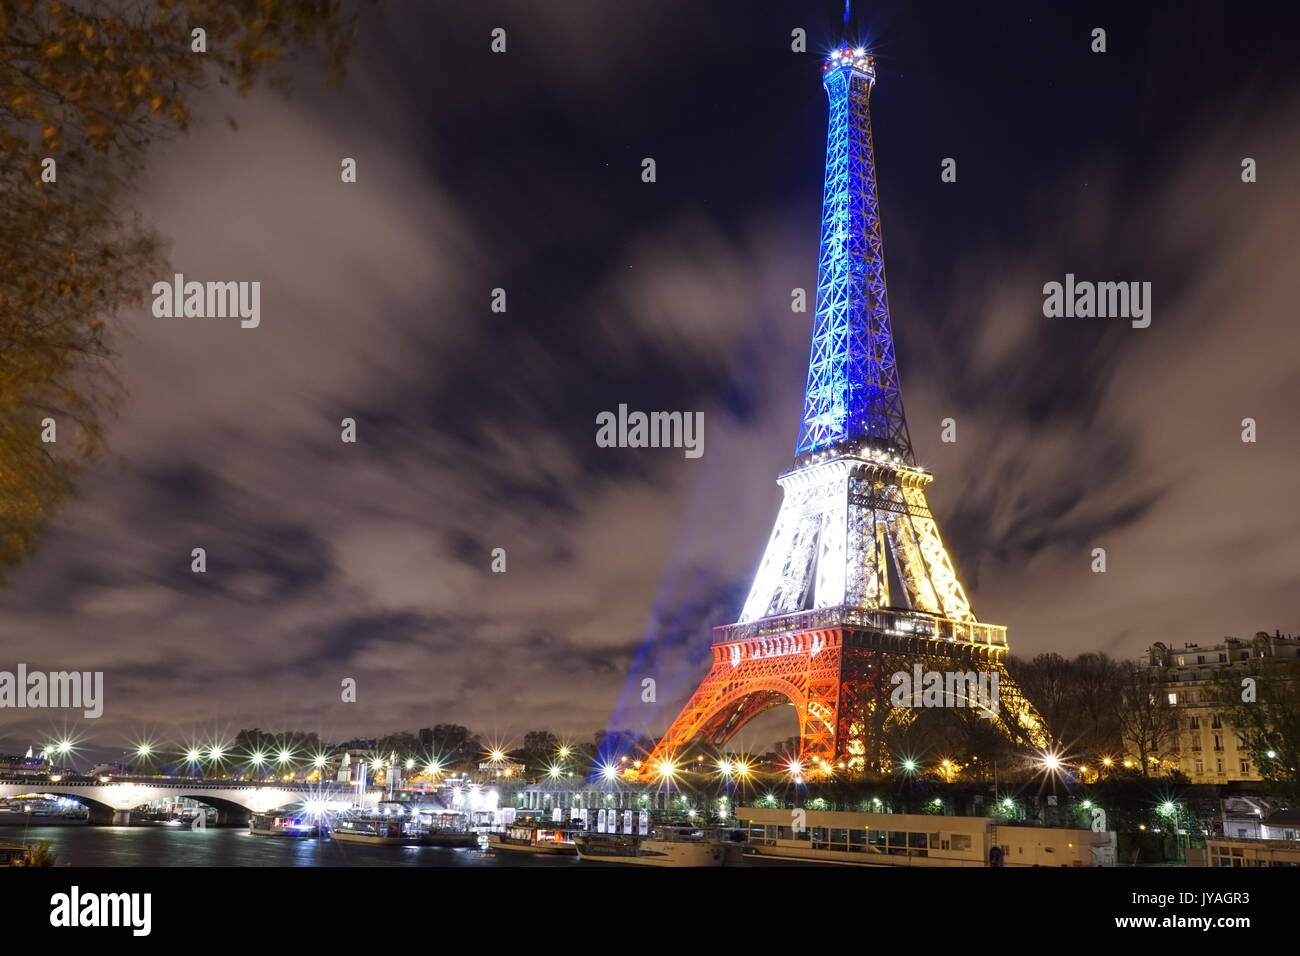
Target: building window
(1173, 698)
(1218, 766)
(1195, 724)
(1218, 741)
(1245, 766)
(1200, 766)
(1216, 723)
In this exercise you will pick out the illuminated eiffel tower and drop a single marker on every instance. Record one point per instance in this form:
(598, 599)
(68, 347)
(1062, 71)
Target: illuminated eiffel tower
(855, 584)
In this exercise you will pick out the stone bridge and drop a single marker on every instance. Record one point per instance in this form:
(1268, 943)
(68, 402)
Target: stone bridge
(111, 802)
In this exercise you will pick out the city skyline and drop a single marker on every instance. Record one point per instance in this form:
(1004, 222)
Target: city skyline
(476, 429)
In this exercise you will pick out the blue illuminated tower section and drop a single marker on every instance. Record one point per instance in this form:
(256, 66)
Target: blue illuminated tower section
(853, 399)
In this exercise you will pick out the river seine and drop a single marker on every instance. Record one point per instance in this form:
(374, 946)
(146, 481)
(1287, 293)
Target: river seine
(168, 846)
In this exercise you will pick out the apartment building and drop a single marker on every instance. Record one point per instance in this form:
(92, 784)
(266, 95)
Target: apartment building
(1207, 750)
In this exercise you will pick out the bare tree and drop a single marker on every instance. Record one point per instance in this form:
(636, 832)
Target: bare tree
(1147, 721)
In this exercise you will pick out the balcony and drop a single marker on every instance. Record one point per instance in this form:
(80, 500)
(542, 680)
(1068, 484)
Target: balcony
(898, 623)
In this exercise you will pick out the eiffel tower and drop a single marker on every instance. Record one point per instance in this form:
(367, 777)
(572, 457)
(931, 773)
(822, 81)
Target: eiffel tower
(855, 584)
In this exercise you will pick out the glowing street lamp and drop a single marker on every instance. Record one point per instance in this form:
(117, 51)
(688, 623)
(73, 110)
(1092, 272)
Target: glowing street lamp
(284, 756)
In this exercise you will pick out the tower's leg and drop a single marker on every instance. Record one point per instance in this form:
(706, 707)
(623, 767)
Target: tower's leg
(1019, 720)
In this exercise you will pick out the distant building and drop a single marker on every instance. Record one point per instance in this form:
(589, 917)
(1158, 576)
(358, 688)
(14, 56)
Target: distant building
(1207, 750)
(1275, 842)
(1243, 815)
(501, 770)
(14, 764)
(1281, 825)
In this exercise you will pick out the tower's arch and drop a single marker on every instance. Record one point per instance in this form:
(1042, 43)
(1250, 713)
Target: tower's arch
(722, 721)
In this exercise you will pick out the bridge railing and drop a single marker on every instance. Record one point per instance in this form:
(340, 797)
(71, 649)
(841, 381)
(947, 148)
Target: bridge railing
(190, 783)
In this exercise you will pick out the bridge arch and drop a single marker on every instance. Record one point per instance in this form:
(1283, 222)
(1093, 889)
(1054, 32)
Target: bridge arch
(100, 812)
(110, 802)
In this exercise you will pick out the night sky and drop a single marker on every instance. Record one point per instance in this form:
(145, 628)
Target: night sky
(476, 430)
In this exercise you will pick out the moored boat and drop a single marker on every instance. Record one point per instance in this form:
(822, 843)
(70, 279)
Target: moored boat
(391, 829)
(662, 846)
(376, 831)
(271, 824)
(529, 838)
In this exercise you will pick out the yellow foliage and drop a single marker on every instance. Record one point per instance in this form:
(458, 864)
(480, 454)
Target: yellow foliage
(97, 81)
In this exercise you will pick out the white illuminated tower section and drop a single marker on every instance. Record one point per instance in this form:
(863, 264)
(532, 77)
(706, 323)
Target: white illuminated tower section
(855, 582)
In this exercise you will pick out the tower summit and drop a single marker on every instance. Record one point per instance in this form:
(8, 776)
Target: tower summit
(855, 585)
(852, 398)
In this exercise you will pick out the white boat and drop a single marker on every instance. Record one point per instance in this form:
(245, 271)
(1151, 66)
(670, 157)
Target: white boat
(396, 831)
(527, 838)
(270, 824)
(662, 846)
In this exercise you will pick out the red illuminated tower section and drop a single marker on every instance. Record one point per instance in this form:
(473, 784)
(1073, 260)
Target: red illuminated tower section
(855, 584)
